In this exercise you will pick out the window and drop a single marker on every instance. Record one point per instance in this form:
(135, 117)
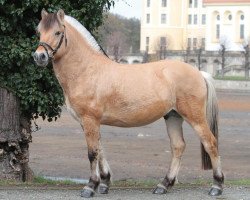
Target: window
(195, 19)
(147, 44)
(163, 18)
(195, 3)
(242, 17)
(230, 17)
(217, 31)
(189, 43)
(203, 21)
(218, 17)
(148, 3)
(194, 43)
(242, 30)
(190, 3)
(148, 18)
(164, 3)
(189, 19)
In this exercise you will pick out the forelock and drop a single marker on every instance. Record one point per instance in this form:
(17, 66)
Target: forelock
(49, 21)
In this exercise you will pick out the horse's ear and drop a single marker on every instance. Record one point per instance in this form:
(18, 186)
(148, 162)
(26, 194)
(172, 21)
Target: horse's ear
(60, 16)
(44, 13)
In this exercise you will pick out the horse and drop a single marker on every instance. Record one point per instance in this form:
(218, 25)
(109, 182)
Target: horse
(99, 91)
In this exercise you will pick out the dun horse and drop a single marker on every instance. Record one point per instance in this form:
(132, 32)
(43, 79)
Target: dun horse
(99, 91)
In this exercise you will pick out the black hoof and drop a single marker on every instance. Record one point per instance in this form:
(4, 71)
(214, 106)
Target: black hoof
(159, 190)
(103, 189)
(87, 193)
(215, 192)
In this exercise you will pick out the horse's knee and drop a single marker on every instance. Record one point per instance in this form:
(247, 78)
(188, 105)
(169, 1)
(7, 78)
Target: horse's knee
(178, 148)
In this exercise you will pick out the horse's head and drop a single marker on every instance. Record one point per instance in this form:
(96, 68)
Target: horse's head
(52, 35)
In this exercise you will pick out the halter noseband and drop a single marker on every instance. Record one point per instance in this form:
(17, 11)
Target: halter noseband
(53, 51)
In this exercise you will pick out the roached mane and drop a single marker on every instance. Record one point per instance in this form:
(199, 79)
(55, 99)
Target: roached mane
(84, 32)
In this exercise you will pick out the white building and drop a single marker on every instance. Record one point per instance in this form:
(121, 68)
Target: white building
(182, 24)
(228, 23)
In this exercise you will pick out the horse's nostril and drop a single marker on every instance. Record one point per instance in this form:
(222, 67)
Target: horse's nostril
(43, 57)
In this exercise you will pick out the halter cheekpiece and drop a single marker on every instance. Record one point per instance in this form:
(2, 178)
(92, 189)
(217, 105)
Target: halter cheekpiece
(47, 47)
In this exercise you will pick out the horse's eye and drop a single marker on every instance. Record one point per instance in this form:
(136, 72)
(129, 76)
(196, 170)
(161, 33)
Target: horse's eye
(57, 33)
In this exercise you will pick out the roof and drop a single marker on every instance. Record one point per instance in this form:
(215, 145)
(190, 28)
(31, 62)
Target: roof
(226, 1)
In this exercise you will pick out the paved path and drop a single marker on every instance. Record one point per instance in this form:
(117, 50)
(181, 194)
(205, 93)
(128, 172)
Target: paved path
(233, 193)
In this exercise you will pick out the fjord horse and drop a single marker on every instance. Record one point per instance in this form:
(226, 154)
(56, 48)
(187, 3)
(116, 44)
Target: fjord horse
(99, 91)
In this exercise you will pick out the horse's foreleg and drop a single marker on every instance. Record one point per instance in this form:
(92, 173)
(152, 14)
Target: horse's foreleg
(105, 173)
(92, 134)
(174, 128)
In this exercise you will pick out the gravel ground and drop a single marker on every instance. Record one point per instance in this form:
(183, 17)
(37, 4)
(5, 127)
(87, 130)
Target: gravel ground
(234, 193)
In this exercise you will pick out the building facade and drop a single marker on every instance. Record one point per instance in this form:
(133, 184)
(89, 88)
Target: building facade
(228, 23)
(194, 24)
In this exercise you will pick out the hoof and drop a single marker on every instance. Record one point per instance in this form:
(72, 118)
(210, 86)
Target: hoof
(87, 193)
(103, 189)
(215, 192)
(160, 190)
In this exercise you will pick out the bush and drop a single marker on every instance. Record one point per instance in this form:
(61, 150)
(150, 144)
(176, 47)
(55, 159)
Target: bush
(38, 89)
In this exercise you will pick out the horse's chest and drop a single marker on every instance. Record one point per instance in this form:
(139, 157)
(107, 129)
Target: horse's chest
(71, 110)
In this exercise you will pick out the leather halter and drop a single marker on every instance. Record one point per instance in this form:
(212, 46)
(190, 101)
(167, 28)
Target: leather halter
(47, 47)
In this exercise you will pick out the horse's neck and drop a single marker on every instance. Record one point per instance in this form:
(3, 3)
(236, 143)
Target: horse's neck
(78, 57)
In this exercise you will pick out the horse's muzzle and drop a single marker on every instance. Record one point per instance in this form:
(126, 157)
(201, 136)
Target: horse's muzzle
(41, 59)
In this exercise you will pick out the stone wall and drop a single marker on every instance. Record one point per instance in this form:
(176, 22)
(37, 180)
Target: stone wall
(241, 86)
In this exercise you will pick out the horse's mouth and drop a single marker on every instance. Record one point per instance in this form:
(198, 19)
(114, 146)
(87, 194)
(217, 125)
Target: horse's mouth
(42, 64)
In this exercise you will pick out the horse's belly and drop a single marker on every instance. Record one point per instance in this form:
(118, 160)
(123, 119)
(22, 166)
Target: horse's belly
(132, 117)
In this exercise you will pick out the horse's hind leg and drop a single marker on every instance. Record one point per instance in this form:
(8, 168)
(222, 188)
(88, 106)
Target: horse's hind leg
(174, 127)
(105, 173)
(210, 144)
(195, 115)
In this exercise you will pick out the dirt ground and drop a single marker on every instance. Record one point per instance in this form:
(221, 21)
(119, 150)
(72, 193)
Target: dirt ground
(59, 148)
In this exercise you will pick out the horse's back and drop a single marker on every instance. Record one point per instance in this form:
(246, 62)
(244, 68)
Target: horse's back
(182, 76)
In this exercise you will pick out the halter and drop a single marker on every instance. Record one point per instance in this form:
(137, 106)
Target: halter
(53, 51)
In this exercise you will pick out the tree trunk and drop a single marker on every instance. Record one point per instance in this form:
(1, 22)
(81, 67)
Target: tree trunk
(223, 59)
(247, 51)
(15, 136)
(199, 58)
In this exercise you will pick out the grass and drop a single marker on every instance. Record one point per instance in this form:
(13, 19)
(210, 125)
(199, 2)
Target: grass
(232, 78)
(129, 183)
(38, 181)
(239, 182)
(41, 180)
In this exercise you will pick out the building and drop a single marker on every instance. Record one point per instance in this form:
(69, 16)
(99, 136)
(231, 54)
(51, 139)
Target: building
(194, 24)
(228, 23)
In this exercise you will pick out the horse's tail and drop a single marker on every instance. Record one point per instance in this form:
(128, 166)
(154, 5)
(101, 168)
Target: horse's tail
(212, 118)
